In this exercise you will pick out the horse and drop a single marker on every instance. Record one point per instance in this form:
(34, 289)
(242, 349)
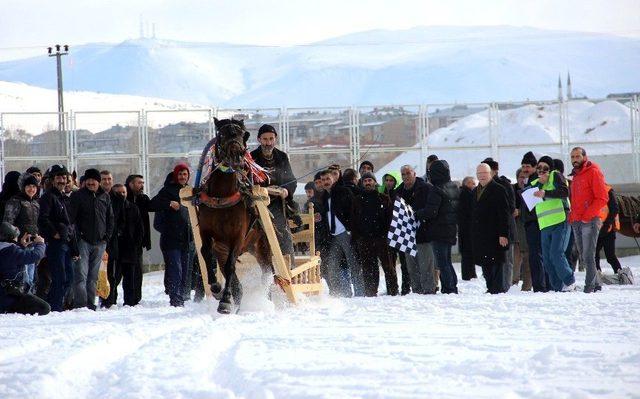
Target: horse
(227, 222)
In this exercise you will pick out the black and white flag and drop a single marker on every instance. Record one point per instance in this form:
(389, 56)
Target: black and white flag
(402, 232)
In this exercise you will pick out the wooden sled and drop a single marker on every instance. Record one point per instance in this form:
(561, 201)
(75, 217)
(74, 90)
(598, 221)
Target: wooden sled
(304, 277)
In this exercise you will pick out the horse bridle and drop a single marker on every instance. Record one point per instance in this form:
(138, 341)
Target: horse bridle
(219, 149)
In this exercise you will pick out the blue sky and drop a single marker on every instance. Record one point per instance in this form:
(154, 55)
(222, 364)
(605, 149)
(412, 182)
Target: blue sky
(28, 25)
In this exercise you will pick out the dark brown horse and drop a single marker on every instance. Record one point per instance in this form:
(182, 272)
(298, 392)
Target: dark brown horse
(226, 219)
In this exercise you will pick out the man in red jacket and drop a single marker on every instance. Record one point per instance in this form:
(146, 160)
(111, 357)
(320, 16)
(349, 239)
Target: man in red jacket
(588, 195)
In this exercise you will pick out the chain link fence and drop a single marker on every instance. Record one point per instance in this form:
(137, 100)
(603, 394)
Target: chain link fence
(150, 142)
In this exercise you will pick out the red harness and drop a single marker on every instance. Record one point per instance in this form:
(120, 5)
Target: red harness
(215, 202)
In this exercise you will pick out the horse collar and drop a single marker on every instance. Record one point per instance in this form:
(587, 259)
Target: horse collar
(217, 202)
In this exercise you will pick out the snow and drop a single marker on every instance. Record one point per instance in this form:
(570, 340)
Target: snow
(516, 345)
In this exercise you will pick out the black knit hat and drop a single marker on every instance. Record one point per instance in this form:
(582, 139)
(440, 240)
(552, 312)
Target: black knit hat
(529, 159)
(34, 169)
(8, 232)
(92, 174)
(558, 165)
(266, 129)
(58, 170)
(28, 180)
(366, 163)
(492, 164)
(548, 160)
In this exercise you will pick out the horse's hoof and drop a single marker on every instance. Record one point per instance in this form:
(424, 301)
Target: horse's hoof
(225, 308)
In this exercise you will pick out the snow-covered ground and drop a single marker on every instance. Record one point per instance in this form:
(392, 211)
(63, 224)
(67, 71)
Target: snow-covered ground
(517, 345)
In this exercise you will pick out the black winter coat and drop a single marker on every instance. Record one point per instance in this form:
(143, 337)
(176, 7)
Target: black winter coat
(130, 234)
(279, 169)
(175, 226)
(440, 212)
(416, 196)
(372, 213)
(143, 202)
(511, 200)
(54, 218)
(92, 215)
(321, 227)
(341, 201)
(465, 213)
(117, 205)
(489, 221)
(22, 212)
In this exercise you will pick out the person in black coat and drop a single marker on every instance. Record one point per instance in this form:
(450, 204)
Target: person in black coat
(91, 213)
(529, 219)
(490, 229)
(511, 199)
(176, 237)
(441, 217)
(465, 208)
(10, 188)
(56, 228)
(278, 167)
(337, 205)
(372, 213)
(130, 238)
(22, 211)
(421, 267)
(607, 235)
(136, 196)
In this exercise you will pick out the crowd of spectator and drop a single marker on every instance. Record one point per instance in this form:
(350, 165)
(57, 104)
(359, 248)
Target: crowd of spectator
(56, 231)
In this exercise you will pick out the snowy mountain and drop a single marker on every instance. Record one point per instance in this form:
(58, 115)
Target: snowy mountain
(418, 65)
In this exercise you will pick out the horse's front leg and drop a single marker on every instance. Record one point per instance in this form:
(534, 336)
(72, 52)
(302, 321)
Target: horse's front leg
(232, 293)
(211, 264)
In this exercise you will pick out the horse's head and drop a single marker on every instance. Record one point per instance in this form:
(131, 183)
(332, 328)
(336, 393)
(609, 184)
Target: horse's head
(231, 142)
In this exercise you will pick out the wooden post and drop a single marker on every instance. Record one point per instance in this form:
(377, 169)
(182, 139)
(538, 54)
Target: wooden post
(185, 199)
(279, 264)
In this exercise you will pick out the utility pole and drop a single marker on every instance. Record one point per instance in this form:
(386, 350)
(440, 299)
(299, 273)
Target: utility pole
(58, 54)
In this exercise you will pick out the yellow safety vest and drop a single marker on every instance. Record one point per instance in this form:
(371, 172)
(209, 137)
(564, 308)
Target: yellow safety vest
(550, 211)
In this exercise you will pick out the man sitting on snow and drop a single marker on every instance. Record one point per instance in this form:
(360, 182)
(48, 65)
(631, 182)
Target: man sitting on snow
(13, 257)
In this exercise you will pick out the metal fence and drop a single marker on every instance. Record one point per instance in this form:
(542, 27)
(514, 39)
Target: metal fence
(150, 142)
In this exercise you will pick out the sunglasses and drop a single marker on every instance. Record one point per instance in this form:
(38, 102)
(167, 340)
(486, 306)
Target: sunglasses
(543, 169)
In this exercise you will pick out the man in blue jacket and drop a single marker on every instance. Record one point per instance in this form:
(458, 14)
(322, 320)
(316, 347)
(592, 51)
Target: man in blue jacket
(13, 257)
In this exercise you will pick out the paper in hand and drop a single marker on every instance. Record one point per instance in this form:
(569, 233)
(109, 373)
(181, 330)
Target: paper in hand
(530, 199)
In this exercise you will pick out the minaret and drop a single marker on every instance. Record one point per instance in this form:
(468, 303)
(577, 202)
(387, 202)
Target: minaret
(569, 94)
(141, 28)
(559, 88)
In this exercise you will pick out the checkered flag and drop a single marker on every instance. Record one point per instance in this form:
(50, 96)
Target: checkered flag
(402, 232)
